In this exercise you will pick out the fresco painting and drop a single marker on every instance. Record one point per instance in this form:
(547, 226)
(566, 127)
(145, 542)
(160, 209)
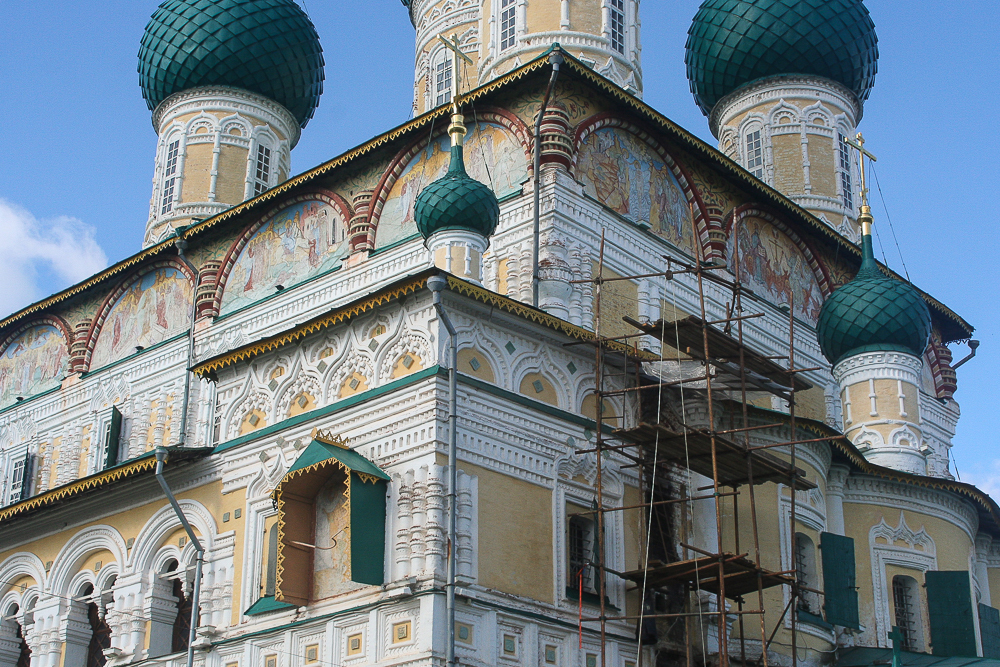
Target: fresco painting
(35, 361)
(625, 174)
(152, 309)
(299, 242)
(775, 268)
(486, 145)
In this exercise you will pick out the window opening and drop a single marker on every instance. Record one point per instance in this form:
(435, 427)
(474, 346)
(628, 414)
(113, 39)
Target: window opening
(100, 633)
(617, 27)
(905, 608)
(442, 81)
(24, 655)
(19, 480)
(508, 24)
(845, 173)
(271, 575)
(804, 556)
(263, 171)
(182, 624)
(170, 177)
(581, 553)
(755, 154)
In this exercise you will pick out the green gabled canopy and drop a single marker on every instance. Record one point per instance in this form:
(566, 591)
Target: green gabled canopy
(268, 47)
(873, 313)
(733, 42)
(319, 451)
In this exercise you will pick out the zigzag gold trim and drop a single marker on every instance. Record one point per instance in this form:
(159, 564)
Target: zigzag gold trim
(330, 438)
(75, 488)
(322, 322)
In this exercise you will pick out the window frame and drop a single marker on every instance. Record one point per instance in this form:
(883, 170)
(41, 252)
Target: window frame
(614, 10)
(263, 158)
(440, 60)
(507, 24)
(845, 169)
(170, 175)
(913, 630)
(11, 471)
(753, 155)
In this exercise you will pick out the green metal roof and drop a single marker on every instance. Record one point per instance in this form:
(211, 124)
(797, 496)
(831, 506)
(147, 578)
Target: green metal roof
(319, 451)
(862, 656)
(268, 47)
(873, 312)
(733, 42)
(456, 201)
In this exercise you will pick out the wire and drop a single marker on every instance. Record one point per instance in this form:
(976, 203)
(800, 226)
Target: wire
(889, 220)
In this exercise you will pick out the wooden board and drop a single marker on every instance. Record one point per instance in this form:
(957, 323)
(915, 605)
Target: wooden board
(739, 574)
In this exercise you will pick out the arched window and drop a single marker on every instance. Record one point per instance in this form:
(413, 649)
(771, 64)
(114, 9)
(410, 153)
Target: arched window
(753, 155)
(100, 633)
(441, 77)
(262, 168)
(182, 624)
(906, 607)
(806, 574)
(14, 650)
(508, 24)
(581, 549)
(844, 167)
(171, 613)
(170, 177)
(616, 25)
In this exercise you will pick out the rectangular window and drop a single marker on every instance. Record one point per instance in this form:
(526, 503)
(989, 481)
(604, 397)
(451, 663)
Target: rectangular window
(19, 479)
(262, 177)
(845, 173)
(169, 177)
(904, 605)
(581, 554)
(106, 447)
(755, 154)
(442, 81)
(508, 24)
(616, 18)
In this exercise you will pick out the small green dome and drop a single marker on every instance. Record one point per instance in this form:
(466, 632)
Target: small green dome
(871, 313)
(268, 47)
(733, 42)
(456, 201)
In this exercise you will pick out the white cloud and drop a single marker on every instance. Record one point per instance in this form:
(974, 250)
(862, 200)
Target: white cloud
(40, 257)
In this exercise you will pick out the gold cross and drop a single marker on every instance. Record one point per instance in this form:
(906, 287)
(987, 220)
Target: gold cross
(456, 53)
(860, 145)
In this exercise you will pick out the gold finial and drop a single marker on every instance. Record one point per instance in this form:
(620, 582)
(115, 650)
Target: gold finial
(457, 127)
(866, 211)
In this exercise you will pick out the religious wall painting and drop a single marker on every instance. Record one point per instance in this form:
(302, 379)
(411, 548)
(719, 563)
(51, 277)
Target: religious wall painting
(492, 156)
(628, 176)
(576, 99)
(775, 268)
(713, 190)
(298, 242)
(152, 309)
(36, 360)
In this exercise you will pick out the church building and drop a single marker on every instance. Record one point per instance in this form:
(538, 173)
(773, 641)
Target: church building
(536, 378)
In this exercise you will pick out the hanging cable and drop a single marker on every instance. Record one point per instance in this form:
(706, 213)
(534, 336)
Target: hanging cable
(889, 220)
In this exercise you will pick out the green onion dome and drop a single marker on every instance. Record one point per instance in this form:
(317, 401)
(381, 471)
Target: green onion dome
(873, 313)
(268, 47)
(456, 201)
(733, 42)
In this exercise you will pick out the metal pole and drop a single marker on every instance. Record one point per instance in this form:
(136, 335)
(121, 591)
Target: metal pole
(556, 59)
(437, 284)
(161, 458)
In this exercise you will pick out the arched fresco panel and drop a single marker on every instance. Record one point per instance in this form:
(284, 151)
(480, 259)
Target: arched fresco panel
(152, 309)
(627, 175)
(492, 156)
(775, 268)
(35, 361)
(300, 241)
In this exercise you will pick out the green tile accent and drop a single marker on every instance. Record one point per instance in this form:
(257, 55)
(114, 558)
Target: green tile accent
(509, 347)
(267, 605)
(734, 42)
(269, 47)
(474, 362)
(373, 345)
(571, 366)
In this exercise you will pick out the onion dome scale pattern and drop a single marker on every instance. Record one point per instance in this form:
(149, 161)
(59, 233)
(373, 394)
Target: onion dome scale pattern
(873, 313)
(456, 201)
(734, 42)
(269, 47)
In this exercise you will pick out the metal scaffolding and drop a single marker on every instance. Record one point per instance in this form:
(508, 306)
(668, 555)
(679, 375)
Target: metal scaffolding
(728, 369)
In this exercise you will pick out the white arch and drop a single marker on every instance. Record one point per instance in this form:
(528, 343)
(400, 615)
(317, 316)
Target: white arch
(20, 565)
(88, 540)
(162, 523)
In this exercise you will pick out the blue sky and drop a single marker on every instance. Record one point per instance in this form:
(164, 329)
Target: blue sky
(77, 146)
